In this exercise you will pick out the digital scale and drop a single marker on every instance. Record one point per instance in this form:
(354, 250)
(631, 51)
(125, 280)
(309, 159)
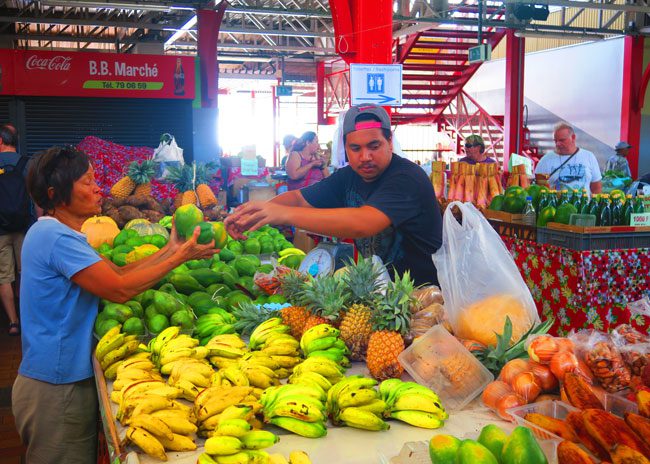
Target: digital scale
(326, 258)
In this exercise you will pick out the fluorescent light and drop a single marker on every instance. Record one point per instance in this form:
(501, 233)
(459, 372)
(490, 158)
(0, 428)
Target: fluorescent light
(559, 35)
(179, 33)
(114, 5)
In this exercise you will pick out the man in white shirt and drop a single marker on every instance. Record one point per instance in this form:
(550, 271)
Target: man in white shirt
(570, 167)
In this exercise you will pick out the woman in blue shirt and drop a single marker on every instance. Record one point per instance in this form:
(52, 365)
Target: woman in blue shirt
(54, 399)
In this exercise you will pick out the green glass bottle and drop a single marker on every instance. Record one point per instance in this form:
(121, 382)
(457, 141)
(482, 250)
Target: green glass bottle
(552, 199)
(543, 200)
(617, 212)
(584, 204)
(638, 205)
(564, 197)
(606, 213)
(593, 206)
(628, 209)
(576, 199)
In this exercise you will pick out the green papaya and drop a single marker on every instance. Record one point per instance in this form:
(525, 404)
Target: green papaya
(166, 304)
(522, 448)
(136, 307)
(244, 266)
(493, 438)
(197, 297)
(205, 277)
(118, 311)
(443, 449)
(226, 255)
(185, 283)
(198, 264)
(472, 452)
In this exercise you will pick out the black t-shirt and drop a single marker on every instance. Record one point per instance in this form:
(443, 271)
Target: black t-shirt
(404, 193)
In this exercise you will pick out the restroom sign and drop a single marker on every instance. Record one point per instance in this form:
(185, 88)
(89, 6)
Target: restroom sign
(380, 84)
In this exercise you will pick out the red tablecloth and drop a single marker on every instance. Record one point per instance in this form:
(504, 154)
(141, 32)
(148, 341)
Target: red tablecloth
(584, 289)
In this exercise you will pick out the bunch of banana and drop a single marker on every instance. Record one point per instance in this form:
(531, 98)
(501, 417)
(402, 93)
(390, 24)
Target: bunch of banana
(327, 368)
(354, 402)
(113, 347)
(295, 457)
(283, 350)
(297, 408)
(190, 376)
(412, 403)
(312, 379)
(323, 340)
(132, 371)
(226, 350)
(234, 441)
(264, 330)
(218, 321)
(211, 403)
(284, 254)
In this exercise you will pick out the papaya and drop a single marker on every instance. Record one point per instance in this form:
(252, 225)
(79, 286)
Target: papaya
(207, 233)
(166, 304)
(146, 297)
(253, 259)
(522, 448)
(198, 263)
(136, 307)
(118, 311)
(443, 449)
(244, 266)
(185, 284)
(198, 297)
(226, 255)
(205, 277)
(493, 438)
(497, 203)
(186, 218)
(472, 452)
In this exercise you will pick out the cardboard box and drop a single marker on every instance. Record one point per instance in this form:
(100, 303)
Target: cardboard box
(261, 193)
(303, 241)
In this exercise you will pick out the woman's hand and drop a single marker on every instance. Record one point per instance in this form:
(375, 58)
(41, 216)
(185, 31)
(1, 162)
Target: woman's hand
(191, 249)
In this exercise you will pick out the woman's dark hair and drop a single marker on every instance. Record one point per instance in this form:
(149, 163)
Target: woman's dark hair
(58, 168)
(301, 143)
(288, 141)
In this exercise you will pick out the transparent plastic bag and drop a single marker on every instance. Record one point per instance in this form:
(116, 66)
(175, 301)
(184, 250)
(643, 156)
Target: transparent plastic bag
(603, 359)
(426, 318)
(426, 296)
(480, 281)
(636, 357)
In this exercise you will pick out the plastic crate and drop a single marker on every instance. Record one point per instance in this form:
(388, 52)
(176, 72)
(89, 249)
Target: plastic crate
(554, 409)
(604, 241)
(514, 230)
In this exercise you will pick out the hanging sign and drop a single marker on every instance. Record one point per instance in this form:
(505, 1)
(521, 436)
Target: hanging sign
(380, 84)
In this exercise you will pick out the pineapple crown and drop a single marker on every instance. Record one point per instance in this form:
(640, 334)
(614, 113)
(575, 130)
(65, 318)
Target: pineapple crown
(324, 296)
(393, 313)
(292, 283)
(182, 177)
(141, 173)
(248, 316)
(361, 278)
(204, 172)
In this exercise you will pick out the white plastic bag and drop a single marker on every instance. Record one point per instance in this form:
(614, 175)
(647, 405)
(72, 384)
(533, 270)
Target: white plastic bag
(167, 153)
(479, 279)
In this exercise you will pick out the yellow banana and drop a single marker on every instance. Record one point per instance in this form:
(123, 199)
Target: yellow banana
(111, 340)
(164, 337)
(217, 405)
(258, 457)
(240, 458)
(356, 397)
(191, 376)
(201, 352)
(258, 439)
(232, 427)
(417, 402)
(281, 349)
(119, 353)
(116, 396)
(181, 341)
(153, 425)
(260, 359)
(299, 457)
(303, 411)
(425, 420)
(315, 377)
(111, 371)
(277, 458)
(150, 404)
(301, 390)
(145, 364)
(235, 376)
(317, 331)
(175, 355)
(222, 445)
(291, 251)
(188, 389)
(286, 361)
(188, 363)
(179, 425)
(171, 414)
(167, 391)
(304, 429)
(140, 387)
(228, 339)
(225, 351)
(178, 443)
(281, 336)
(377, 407)
(361, 419)
(146, 442)
(260, 379)
(205, 458)
(236, 412)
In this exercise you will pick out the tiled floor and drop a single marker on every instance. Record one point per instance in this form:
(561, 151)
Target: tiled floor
(11, 450)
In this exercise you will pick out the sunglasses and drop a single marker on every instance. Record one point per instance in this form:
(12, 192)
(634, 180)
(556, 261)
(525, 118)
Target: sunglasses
(470, 145)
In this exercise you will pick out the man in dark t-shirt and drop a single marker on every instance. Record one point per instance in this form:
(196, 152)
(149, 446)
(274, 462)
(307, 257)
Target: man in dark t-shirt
(384, 202)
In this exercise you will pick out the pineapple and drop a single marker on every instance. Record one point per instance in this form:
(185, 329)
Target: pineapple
(183, 179)
(124, 187)
(203, 191)
(356, 327)
(390, 321)
(294, 316)
(324, 298)
(142, 175)
(248, 316)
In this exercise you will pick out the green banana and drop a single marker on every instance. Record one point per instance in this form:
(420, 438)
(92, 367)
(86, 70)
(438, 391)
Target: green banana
(295, 401)
(320, 344)
(425, 420)
(258, 439)
(223, 445)
(377, 407)
(239, 458)
(359, 397)
(205, 458)
(418, 402)
(233, 427)
(331, 354)
(316, 332)
(290, 251)
(163, 337)
(387, 386)
(304, 411)
(304, 429)
(314, 377)
(263, 329)
(362, 419)
(111, 340)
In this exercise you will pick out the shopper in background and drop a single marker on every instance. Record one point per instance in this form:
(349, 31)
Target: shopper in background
(305, 165)
(618, 162)
(54, 399)
(570, 167)
(475, 151)
(287, 143)
(383, 201)
(11, 239)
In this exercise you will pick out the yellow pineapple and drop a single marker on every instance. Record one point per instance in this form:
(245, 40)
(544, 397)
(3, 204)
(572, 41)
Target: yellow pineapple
(294, 316)
(142, 176)
(324, 298)
(203, 191)
(361, 278)
(189, 198)
(124, 187)
(183, 179)
(390, 320)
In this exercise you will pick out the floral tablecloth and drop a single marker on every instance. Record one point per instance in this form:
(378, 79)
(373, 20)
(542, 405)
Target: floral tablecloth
(584, 289)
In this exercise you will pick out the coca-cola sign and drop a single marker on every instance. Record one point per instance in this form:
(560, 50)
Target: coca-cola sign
(55, 63)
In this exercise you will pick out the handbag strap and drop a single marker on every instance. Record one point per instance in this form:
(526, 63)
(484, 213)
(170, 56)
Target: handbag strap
(565, 162)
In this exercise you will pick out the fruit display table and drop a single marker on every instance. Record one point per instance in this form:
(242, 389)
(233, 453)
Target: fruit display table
(342, 445)
(584, 289)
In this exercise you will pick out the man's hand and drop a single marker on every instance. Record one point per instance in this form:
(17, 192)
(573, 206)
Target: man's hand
(252, 216)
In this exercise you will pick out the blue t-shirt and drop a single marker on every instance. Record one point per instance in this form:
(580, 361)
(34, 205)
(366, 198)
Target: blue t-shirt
(57, 315)
(404, 193)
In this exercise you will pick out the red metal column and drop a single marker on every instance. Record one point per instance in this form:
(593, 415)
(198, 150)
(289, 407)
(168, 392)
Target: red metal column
(632, 91)
(515, 57)
(320, 92)
(373, 25)
(208, 24)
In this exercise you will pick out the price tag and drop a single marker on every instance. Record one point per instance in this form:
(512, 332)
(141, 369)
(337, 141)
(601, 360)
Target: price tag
(249, 167)
(640, 219)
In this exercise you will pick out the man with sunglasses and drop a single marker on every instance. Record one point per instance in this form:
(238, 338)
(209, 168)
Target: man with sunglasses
(568, 166)
(384, 202)
(475, 151)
